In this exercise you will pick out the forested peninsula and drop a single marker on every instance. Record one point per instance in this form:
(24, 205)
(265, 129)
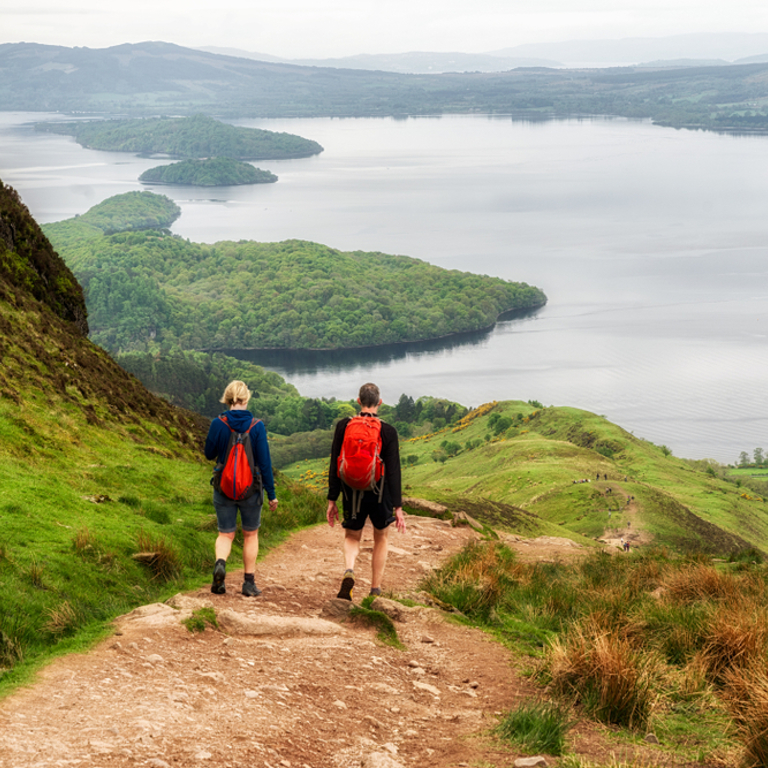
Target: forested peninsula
(152, 291)
(187, 137)
(212, 172)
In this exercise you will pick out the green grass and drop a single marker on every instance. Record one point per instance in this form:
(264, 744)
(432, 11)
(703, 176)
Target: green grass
(523, 480)
(384, 626)
(536, 727)
(201, 619)
(77, 503)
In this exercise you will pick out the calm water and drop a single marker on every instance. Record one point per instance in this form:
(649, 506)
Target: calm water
(651, 244)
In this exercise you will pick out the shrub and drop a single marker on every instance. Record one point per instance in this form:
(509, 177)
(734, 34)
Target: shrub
(478, 579)
(61, 619)
(701, 581)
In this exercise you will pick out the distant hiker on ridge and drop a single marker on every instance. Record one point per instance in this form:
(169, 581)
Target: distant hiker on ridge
(238, 442)
(365, 467)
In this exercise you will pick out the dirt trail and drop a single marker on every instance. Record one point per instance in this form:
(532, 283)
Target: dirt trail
(312, 692)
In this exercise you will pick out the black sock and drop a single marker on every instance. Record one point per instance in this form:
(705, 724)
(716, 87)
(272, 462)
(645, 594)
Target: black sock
(250, 577)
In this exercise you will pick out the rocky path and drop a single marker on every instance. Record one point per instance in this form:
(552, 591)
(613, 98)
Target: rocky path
(308, 690)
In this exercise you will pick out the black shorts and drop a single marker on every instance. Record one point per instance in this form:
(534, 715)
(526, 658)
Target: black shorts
(381, 514)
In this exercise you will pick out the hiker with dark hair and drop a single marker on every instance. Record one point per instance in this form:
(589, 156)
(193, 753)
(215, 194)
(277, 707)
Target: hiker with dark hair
(365, 470)
(238, 442)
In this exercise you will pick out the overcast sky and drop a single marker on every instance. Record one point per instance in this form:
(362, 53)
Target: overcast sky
(328, 28)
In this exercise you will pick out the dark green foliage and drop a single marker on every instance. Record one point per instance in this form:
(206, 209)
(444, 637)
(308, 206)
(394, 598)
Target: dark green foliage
(196, 380)
(299, 446)
(213, 172)
(537, 727)
(147, 290)
(194, 137)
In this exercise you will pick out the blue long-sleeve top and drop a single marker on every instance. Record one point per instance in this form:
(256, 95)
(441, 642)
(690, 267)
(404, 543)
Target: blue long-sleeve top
(218, 439)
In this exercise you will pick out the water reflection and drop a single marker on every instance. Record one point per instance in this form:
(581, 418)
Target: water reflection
(293, 362)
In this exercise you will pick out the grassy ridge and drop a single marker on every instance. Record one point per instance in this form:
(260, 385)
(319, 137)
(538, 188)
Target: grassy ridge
(520, 466)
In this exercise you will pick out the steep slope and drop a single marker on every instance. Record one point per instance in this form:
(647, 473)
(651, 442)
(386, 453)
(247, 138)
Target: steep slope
(96, 469)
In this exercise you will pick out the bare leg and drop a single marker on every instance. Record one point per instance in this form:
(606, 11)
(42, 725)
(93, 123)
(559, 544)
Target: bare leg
(250, 550)
(351, 547)
(224, 545)
(379, 558)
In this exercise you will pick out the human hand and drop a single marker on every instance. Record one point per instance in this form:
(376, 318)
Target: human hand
(400, 520)
(332, 513)
(272, 505)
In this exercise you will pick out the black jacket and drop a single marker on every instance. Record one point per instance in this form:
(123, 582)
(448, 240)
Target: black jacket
(390, 455)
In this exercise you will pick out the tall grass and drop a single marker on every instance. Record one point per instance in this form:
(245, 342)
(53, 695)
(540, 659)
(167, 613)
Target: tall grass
(613, 680)
(641, 641)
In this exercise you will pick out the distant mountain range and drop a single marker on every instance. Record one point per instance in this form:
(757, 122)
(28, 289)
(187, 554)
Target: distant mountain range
(675, 51)
(157, 78)
(415, 62)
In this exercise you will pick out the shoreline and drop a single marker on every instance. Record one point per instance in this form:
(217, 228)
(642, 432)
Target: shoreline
(507, 314)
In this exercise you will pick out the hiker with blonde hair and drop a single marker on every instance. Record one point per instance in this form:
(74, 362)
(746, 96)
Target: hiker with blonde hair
(237, 439)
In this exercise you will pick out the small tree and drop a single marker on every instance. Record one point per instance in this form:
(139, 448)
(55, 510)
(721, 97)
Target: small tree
(759, 458)
(743, 459)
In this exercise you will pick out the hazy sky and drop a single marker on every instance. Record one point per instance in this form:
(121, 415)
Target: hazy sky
(308, 28)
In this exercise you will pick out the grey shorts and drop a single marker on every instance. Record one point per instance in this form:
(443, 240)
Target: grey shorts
(226, 512)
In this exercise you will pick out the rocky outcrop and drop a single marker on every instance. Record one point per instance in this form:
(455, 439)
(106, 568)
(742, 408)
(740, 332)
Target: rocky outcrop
(28, 263)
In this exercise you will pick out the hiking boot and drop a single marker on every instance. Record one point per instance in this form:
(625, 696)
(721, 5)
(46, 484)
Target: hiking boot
(250, 589)
(347, 585)
(375, 591)
(219, 574)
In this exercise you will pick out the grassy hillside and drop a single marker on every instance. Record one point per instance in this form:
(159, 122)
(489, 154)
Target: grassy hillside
(148, 291)
(95, 470)
(521, 466)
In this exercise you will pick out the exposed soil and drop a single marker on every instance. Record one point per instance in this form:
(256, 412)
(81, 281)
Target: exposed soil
(158, 695)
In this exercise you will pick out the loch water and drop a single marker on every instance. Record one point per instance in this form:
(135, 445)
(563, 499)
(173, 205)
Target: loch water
(650, 243)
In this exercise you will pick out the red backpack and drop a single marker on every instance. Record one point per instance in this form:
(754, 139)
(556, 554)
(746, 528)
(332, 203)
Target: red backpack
(360, 465)
(238, 478)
